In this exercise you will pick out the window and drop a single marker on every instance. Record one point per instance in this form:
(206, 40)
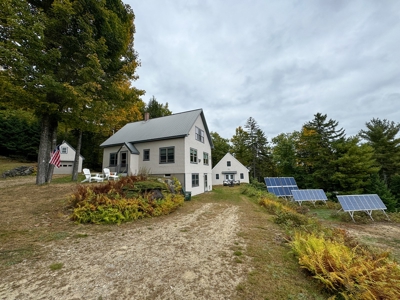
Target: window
(216, 176)
(205, 158)
(193, 155)
(113, 159)
(199, 134)
(64, 150)
(241, 176)
(228, 163)
(195, 180)
(167, 155)
(146, 154)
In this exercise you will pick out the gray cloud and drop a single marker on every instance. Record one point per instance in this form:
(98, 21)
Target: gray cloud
(279, 62)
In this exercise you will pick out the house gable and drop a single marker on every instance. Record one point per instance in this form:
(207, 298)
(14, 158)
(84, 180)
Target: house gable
(67, 158)
(229, 167)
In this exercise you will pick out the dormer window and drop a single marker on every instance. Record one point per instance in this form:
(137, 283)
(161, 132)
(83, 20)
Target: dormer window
(199, 134)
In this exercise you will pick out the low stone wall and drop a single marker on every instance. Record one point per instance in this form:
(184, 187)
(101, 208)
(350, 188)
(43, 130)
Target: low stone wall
(19, 171)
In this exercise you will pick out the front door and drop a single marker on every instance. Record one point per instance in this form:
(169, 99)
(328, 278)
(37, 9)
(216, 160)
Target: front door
(124, 161)
(229, 176)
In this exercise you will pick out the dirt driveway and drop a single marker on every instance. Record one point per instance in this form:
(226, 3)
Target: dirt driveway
(186, 255)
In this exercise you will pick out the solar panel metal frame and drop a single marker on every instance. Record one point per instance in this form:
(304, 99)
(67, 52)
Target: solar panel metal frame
(366, 203)
(281, 186)
(312, 195)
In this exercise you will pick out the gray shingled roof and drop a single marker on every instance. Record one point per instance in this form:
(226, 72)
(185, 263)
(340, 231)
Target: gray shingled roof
(168, 127)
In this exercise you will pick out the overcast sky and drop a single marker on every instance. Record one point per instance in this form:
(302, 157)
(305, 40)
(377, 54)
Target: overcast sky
(279, 62)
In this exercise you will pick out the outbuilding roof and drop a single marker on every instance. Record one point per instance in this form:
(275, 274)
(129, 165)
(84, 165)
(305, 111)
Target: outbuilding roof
(168, 127)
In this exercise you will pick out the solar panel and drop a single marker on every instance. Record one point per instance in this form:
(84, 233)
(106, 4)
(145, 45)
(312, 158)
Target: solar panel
(312, 195)
(281, 186)
(366, 203)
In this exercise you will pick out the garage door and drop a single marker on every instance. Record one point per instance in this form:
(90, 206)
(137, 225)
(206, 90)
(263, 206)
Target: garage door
(66, 168)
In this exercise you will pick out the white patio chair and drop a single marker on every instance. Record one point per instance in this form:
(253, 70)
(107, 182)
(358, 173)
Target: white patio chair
(108, 175)
(91, 177)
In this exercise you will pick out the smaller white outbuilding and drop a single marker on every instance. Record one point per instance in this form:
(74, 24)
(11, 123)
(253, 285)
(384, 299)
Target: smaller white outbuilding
(231, 169)
(67, 157)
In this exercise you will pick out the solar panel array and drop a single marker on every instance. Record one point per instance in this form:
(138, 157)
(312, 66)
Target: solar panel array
(366, 203)
(281, 186)
(312, 195)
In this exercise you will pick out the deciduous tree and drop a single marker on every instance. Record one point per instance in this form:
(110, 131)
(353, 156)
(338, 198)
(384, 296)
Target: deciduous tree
(64, 57)
(284, 154)
(221, 147)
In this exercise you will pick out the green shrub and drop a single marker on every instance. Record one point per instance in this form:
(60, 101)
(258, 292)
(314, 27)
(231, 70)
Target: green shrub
(285, 213)
(114, 202)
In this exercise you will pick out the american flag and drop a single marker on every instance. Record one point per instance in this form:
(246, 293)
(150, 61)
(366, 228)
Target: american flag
(55, 157)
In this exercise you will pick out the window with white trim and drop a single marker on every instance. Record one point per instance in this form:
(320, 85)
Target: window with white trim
(64, 150)
(241, 176)
(193, 155)
(228, 163)
(216, 176)
(195, 180)
(199, 134)
(205, 158)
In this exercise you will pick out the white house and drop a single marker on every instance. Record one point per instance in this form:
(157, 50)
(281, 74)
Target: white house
(67, 158)
(229, 168)
(178, 145)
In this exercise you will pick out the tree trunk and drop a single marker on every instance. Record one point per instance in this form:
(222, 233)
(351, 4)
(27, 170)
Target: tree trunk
(77, 154)
(48, 131)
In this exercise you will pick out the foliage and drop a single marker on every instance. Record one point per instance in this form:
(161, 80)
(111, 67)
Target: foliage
(221, 147)
(19, 134)
(257, 143)
(66, 61)
(284, 154)
(353, 167)
(250, 191)
(350, 273)
(239, 147)
(156, 109)
(382, 136)
(118, 201)
(250, 147)
(345, 268)
(379, 187)
(315, 151)
(395, 188)
(258, 185)
(285, 214)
